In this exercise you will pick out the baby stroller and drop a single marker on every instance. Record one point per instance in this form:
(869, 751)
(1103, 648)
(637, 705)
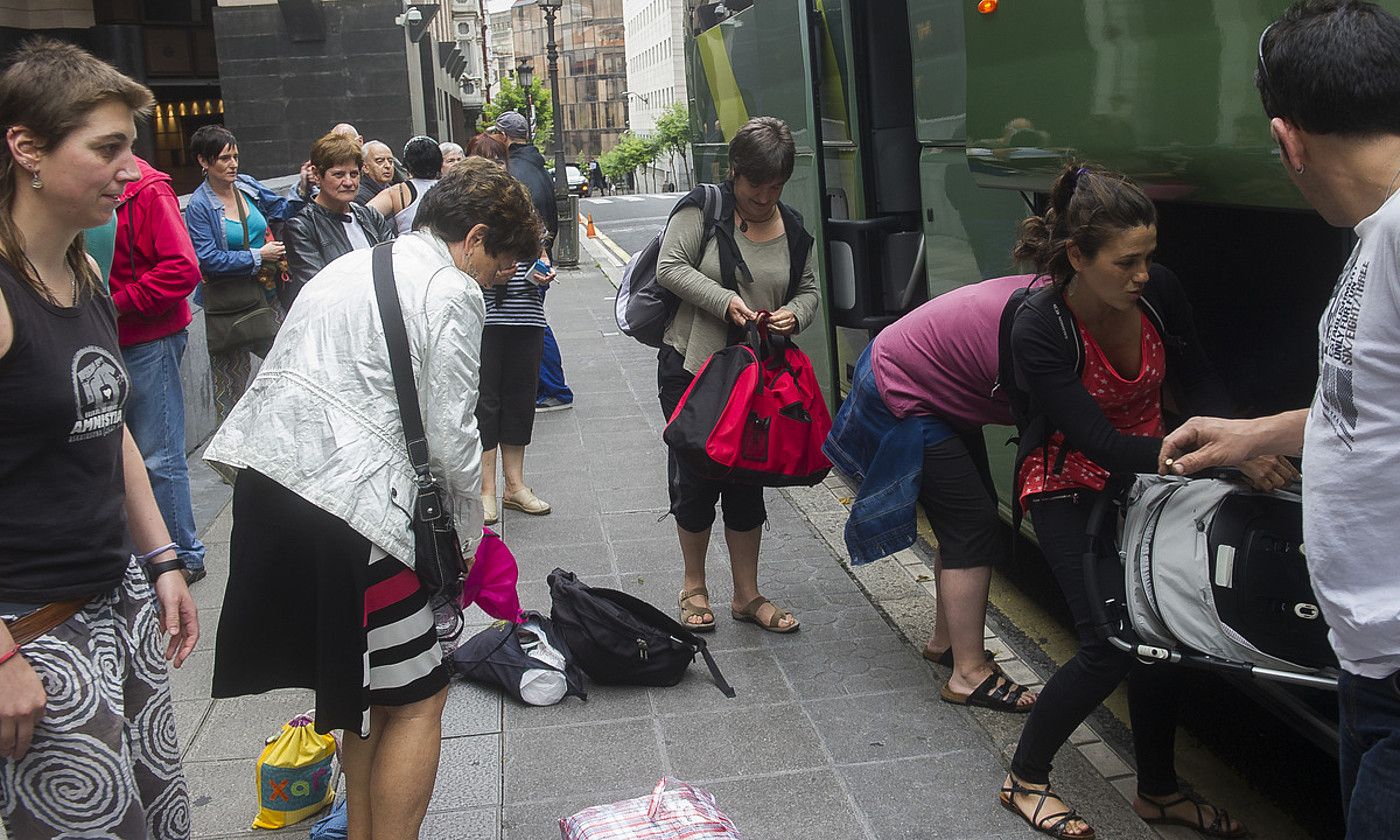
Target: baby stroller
(1210, 574)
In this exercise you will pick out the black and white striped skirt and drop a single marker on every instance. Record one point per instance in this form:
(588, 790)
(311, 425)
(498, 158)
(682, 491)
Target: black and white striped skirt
(313, 604)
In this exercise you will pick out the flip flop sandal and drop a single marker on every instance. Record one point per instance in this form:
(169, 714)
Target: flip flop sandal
(1218, 827)
(1058, 828)
(707, 616)
(997, 692)
(749, 615)
(946, 658)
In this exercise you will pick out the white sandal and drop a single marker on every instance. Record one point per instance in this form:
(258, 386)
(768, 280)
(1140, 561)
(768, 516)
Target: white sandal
(526, 501)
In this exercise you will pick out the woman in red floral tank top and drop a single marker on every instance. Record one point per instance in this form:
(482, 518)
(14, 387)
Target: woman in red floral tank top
(1105, 406)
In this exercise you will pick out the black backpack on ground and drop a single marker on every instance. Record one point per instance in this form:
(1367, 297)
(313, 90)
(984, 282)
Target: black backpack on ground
(621, 640)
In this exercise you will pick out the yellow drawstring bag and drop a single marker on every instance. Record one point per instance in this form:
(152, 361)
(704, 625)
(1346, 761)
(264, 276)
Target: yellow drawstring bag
(295, 774)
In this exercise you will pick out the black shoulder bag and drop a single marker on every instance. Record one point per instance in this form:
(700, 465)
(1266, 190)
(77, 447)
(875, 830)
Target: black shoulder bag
(437, 551)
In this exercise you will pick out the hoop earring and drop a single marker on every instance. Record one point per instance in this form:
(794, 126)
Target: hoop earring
(36, 182)
(1301, 168)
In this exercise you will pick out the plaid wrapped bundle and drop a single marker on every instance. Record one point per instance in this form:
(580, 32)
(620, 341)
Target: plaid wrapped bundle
(673, 811)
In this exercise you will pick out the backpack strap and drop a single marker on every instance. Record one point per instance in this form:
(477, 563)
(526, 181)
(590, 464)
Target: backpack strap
(731, 262)
(1033, 426)
(720, 682)
(799, 245)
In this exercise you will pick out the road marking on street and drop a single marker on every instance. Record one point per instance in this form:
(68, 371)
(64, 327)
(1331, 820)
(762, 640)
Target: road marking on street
(598, 200)
(616, 251)
(630, 198)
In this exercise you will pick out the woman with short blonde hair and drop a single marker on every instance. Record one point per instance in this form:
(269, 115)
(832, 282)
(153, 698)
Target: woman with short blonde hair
(332, 224)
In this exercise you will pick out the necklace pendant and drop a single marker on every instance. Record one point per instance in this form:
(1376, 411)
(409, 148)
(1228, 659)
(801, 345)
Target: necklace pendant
(743, 227)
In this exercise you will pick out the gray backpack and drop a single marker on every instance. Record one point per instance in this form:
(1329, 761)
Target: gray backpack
(643, 308)
(1219, 568)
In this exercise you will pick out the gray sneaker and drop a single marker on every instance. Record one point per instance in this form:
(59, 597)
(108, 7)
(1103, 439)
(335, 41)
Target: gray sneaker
(549, 404)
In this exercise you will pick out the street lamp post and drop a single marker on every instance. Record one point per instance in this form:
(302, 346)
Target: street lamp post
(525, 76)
(566, 240)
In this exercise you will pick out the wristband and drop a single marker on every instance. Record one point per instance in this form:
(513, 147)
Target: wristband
(151, 555)
(9, 654)
(155, 570)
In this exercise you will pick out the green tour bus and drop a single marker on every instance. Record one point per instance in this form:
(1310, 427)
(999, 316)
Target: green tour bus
(926, 129)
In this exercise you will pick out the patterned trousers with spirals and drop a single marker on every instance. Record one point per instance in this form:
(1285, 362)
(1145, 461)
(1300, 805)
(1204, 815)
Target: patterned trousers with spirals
(104, 761)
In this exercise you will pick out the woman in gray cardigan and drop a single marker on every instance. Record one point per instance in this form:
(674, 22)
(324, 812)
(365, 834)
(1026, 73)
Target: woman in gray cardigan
(770, 256)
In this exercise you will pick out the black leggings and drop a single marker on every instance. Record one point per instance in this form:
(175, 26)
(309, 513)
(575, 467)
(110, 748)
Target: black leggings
(693, 498)
(960, 500)
(510, 380)
(1086, 680)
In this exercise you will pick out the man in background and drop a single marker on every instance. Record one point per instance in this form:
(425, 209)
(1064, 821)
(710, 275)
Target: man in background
(1329, 77)
(528, 167)
(154, 269)
(377, 171)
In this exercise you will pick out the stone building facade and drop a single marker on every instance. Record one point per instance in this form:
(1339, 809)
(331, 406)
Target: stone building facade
(592, 69)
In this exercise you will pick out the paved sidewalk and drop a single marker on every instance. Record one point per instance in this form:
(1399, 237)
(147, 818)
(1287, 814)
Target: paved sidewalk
(837, 732)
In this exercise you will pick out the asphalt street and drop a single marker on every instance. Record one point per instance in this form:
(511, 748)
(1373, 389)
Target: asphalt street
(629, 220)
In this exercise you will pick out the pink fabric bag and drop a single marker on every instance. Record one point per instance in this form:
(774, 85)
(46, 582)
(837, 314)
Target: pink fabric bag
(673, 811)
(492, 580)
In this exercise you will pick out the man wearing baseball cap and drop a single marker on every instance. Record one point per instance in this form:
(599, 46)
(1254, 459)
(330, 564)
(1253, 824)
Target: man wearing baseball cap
(528, 167)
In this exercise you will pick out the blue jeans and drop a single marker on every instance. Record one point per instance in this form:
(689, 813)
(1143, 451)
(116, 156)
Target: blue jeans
(552, 382)
(886, 454)
(1370, 755)
(155, 414)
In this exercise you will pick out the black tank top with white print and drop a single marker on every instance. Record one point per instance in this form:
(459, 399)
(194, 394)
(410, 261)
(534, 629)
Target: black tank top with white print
(62, 389)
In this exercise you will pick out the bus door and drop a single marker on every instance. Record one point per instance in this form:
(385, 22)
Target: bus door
(748, 59)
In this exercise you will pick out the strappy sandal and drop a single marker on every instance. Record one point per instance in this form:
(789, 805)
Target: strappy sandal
(997, 692)
(705, 614)
(749, 614)
(1218, 827)
(946, 657)
(1058, 829)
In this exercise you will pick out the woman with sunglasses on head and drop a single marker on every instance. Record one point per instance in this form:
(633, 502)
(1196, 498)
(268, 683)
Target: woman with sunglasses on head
(229, 218)
(489, 146)
(84, 687)
(1096, 244)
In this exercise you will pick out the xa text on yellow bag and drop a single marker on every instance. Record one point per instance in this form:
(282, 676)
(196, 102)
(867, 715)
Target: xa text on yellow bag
(295, 774)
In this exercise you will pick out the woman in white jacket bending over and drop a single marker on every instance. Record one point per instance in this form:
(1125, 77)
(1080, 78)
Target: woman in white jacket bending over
(322, 593)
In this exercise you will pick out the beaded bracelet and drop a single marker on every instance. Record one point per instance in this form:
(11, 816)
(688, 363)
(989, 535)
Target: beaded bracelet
(151, 555)
(9, 654)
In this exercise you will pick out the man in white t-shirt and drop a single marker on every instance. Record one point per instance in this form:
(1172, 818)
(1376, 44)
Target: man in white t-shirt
(1329, 77)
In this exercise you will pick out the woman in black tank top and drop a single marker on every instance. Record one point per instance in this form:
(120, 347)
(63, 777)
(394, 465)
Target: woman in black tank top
(74, 496)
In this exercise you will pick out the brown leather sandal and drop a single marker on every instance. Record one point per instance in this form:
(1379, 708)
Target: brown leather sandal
(749, 614)
(705, 614)
(946, 657)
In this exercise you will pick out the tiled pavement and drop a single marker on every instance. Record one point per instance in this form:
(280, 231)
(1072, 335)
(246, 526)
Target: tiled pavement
(836, 732)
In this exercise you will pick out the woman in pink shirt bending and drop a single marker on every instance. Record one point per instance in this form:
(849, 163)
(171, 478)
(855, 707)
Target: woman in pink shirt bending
(911, 432)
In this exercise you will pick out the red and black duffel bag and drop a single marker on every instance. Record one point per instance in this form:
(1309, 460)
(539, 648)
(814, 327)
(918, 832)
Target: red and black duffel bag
(754, 414)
